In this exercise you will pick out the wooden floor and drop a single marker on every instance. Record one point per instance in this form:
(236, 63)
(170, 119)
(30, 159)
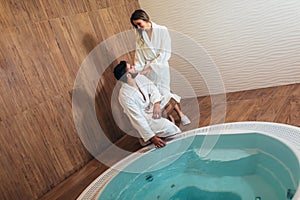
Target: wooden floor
(276, 104)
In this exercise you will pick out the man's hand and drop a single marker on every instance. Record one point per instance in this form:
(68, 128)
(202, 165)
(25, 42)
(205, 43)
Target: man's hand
(158, 142)
(156, 111)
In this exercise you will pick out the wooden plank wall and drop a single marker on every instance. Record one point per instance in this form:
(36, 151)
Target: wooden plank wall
(43, 44)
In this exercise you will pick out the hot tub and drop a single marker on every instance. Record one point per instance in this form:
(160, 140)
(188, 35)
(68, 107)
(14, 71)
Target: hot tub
(236, 161)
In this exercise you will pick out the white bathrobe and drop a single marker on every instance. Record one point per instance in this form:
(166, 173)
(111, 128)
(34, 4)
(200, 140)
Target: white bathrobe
(139, 109)
(156, 50)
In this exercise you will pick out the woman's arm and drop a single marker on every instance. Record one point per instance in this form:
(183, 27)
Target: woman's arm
(163, 48)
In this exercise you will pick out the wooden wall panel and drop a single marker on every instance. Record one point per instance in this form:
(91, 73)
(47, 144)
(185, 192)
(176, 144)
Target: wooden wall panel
(43, 44)
(18, 12)
(41, 149)
(96, 4)
(12, 78)
(12, 13)
(58, 8)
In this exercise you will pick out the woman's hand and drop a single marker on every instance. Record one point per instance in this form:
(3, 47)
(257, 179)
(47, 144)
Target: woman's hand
(146, 71)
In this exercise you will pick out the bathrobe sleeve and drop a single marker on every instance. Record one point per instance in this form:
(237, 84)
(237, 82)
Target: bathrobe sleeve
(137, 118)
(163, 47)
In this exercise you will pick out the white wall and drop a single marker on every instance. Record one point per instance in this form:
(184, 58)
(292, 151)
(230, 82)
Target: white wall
(253, 44)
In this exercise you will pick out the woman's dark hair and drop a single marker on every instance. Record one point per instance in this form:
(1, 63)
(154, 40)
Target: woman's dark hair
(120, 71)
(139, 14)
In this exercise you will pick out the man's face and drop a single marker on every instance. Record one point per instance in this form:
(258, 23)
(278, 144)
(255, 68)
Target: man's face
(131, 68)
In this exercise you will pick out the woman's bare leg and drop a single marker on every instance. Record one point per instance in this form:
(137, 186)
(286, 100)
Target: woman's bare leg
(184, 119)
(178, 110)
(172, 118)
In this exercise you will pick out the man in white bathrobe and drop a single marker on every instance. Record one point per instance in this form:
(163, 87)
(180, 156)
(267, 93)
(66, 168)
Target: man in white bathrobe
(143, 104)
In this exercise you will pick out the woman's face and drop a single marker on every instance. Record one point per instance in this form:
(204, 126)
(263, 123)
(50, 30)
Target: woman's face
(141, 24)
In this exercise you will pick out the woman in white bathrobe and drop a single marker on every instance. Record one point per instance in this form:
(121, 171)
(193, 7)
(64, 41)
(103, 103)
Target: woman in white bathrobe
(153, 51)
(143, 104)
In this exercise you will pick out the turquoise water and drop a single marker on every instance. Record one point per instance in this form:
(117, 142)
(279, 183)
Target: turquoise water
(193, 192)
(240, 167)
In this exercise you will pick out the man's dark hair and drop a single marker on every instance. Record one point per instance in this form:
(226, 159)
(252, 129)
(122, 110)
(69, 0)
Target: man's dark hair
(120, 71)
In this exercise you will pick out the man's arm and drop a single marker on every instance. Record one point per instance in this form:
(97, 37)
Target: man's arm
(136, 115)
(140, 123)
